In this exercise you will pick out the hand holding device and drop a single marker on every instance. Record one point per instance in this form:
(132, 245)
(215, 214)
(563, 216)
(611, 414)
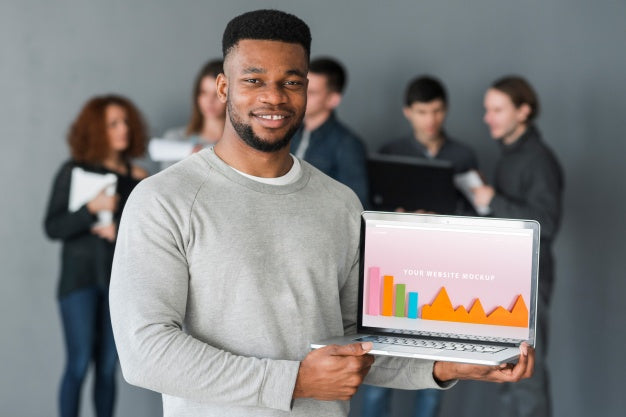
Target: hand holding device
(104, 204)
(333, 372)
(506, 372)
(107, 232)
(483, 195)
(103, 201)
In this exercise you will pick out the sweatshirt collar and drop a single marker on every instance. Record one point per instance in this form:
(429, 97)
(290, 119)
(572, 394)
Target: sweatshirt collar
(231, 174)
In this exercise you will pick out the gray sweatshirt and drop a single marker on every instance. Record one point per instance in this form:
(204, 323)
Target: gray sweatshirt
(220, 283)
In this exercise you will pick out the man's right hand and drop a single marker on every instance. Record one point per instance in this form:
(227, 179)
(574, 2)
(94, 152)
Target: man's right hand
(333, 372)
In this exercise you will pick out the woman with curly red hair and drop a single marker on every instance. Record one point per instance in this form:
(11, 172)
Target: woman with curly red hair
(108, 132)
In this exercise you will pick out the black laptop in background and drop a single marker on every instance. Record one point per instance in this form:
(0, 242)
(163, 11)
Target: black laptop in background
(412, 184)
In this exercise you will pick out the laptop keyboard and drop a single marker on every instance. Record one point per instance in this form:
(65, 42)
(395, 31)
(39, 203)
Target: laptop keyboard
(432, 344)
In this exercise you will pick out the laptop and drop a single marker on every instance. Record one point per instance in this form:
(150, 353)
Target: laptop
(412, 184)
(447, 288)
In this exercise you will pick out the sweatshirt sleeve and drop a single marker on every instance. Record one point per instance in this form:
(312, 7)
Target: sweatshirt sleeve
(348, 298)
(60, 223)
(404, 373)
(542, 201)
(148, 298)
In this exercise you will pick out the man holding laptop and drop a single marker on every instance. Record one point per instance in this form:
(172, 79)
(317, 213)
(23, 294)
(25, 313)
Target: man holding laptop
(229, 264)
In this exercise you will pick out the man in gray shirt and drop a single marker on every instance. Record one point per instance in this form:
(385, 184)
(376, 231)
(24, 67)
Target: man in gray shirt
(230, 263)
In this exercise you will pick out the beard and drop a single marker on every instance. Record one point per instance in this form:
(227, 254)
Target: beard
(246, 133)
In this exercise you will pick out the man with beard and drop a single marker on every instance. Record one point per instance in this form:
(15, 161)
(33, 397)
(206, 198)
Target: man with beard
(230, 263)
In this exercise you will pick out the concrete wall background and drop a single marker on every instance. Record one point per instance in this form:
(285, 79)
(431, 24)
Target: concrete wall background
(55, 55)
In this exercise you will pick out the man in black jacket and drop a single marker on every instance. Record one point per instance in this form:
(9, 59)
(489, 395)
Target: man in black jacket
(528, 185)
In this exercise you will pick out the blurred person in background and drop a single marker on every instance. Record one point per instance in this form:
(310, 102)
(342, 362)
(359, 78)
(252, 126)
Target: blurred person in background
(107, 134)
(323, 140)
(206, 123)
(528, 184)
(425, 108)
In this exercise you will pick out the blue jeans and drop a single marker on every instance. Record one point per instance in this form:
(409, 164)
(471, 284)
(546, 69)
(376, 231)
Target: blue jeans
(377, 402)
(88, 337)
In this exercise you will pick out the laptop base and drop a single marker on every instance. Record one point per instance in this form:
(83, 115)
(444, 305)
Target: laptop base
(506, 355)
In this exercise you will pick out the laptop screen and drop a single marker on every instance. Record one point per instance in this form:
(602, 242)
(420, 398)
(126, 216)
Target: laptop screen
(437, 275)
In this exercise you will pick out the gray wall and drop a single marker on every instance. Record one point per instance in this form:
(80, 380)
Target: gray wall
(54, 55)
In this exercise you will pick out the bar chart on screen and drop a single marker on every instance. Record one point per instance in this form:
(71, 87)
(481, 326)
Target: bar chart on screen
(387, 298)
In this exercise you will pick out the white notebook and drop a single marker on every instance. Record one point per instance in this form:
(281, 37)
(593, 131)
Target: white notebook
(165, 150)
(465, 182)
(85, 186)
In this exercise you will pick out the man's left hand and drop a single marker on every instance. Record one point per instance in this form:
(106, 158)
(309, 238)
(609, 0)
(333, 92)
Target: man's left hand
(507, 372)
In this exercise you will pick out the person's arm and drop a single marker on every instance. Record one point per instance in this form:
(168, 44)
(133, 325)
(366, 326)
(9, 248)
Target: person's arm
(148, 299)
(542, 201)
(351, 160)
(59, 222)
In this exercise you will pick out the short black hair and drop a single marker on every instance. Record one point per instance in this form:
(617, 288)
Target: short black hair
(425, 89)
(334, 72)
(265, 24)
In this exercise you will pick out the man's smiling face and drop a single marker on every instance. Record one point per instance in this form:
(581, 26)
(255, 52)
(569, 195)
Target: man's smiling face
(264, 86)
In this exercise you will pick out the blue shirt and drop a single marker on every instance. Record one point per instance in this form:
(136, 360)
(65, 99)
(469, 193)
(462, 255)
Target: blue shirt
(338, 153)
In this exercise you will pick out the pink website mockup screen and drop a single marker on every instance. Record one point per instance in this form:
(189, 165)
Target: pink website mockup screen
(448, 279)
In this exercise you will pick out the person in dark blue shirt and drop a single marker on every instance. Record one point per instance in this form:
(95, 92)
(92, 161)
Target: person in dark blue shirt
(323, 140)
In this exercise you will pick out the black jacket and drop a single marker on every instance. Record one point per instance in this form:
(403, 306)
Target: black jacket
(86, 259)
(529, 185)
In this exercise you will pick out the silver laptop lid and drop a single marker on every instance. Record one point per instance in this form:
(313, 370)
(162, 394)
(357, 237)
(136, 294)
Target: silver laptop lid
(448, 276)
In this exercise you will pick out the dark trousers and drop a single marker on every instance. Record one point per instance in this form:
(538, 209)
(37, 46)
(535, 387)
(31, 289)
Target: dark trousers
(88, 337)
(531, 397)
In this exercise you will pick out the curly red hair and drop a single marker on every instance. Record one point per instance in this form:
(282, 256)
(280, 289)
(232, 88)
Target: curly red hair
(88, 139)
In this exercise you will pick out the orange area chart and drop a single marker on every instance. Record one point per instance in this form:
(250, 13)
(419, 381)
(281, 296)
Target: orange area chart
(441, 309)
